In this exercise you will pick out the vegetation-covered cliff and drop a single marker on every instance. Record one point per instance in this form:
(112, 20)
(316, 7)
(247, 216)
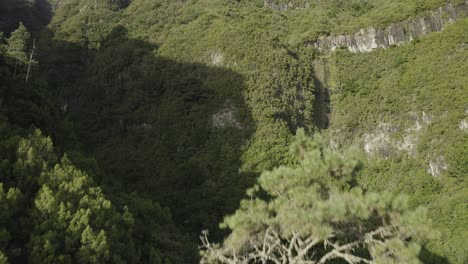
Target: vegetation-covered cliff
(142, 123)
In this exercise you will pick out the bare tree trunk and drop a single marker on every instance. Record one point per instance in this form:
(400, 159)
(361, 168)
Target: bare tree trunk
(30, 60)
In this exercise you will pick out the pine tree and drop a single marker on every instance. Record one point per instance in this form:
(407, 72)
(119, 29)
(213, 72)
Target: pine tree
(35, 155)
(17, 44)
(314, 214)
(74, 222)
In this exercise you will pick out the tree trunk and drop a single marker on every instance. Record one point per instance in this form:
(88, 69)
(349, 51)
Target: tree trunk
(30, 60)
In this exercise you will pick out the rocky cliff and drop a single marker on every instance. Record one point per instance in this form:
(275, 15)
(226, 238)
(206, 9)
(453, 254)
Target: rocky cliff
(397, 33)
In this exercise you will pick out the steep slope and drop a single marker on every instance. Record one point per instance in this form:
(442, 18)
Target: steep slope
(35, 14)
(397, 33)
(54, 209)
(407, 109)
(273, 89)
(184, 103)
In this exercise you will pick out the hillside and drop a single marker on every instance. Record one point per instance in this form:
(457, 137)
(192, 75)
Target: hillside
(169, 111)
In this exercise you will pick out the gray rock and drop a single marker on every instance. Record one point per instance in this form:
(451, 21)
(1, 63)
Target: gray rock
(397, 33)
(285, 7)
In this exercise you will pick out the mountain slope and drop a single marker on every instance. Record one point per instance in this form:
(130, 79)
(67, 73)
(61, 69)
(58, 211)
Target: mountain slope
(185, 103)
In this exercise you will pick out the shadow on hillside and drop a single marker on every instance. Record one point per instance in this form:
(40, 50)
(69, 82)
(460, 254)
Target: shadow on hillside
(169, 130)
(322, 109)
(34, 15)
(428, 257)
(322, 104)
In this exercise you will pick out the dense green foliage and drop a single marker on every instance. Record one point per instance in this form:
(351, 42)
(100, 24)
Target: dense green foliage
(419, 91)
(52, 209)
(314, 214)
(162, 113)
(54, 213)
(16, 47)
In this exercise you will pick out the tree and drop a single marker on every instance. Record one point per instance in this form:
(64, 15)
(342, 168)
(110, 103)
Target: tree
(53, 212)
(74, 222)
(35, 155)
(312, 213)
(17, 43)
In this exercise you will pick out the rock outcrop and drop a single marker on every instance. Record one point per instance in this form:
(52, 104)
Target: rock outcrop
(397, 33)
(225, 118)
(285, 7)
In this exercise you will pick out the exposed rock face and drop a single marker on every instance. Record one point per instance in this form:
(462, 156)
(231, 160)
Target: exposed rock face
(383, 143)
(225, 118)
(408, 144)
(464, 125)
(397, 33)
(285, 7)
(378, 143)
(216, 58)
(437, 166)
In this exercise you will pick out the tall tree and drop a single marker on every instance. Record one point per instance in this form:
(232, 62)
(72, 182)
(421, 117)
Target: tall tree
(313, 214)
(72, 220)
(17, 44)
